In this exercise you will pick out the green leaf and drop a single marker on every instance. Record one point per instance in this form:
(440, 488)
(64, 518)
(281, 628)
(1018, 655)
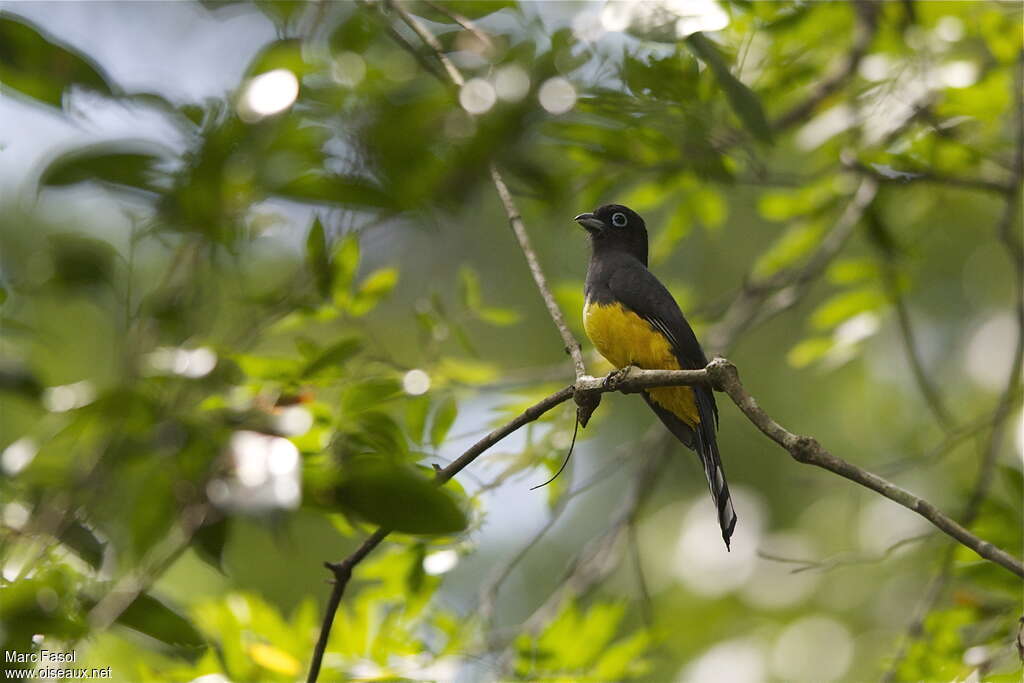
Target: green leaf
(124, 163)
(795, 243)
(146, 614)
(416, 410)
(83, 542)
(36, 65)
(80, 261)
(317, 260)
(345, 263)
(20, 381)
(368, 394)
(469, 288)
(333, 356)
(280, 54)
(809, 351)
(847, 304)
(500, 317)
(332, 188)
(372, 289)
(444, 417)
(398, 497)
(209, 542)
(1014, 480)
(741, 98)
(379, 283)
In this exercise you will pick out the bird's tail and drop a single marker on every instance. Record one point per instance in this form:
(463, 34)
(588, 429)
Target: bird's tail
(707, 449)
(701, 439)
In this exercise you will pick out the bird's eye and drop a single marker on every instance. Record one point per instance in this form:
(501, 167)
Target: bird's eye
(619, 220)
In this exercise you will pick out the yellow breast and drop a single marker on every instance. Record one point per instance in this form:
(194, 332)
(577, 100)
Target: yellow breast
(624, 338)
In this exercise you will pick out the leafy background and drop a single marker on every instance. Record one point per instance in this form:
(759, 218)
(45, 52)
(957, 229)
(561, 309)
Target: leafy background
(232, 341)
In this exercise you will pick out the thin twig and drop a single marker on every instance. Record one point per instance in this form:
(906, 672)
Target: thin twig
(463, 21)
(844, 560)
(430, 39)
(929, 177)
(572, 346)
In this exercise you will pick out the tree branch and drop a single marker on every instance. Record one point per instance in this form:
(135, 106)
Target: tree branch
(572, 346)
(807, 450)
(722, 376)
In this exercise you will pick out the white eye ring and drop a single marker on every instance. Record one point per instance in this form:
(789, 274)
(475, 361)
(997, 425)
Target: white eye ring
(619, 220)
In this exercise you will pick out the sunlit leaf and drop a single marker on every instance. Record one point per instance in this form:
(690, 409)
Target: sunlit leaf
(372, 289)
(809, 351)
(795, 243)
(444, 417)
(416, 411)
(345, 262)
(274, 659)
(846, 305)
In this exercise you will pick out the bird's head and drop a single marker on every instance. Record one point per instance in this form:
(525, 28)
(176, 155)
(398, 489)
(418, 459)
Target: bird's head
(616, 227)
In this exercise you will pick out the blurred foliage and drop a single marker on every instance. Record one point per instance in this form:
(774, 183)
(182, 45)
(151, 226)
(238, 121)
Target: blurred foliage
(287, 310)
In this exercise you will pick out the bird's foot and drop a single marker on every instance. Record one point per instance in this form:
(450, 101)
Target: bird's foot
(613, 379)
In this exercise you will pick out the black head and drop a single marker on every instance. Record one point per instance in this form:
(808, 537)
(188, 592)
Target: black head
(616, 227)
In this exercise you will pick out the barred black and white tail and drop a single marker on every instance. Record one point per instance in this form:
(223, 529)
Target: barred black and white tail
(707, 449)
(702, 440)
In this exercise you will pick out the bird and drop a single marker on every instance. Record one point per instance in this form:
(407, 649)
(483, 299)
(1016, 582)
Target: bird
(633, 320)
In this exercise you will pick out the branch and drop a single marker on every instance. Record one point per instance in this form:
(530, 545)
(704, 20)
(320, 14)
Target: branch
(807, 450)
(572, 346)
(843, 560)
(465, 22)
(722, 376)
(906, 178)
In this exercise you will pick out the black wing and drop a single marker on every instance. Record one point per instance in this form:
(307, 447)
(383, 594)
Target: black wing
(637, 289)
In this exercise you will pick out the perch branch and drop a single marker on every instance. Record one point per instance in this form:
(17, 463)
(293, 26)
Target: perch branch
(722, 376)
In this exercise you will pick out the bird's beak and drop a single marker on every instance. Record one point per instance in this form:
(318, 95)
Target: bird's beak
(589, 221)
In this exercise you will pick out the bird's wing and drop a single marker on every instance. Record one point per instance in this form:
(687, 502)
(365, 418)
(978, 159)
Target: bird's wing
(640, 291)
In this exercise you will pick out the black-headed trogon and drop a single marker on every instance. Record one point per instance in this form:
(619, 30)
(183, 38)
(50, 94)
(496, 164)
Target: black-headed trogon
(632, 319)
